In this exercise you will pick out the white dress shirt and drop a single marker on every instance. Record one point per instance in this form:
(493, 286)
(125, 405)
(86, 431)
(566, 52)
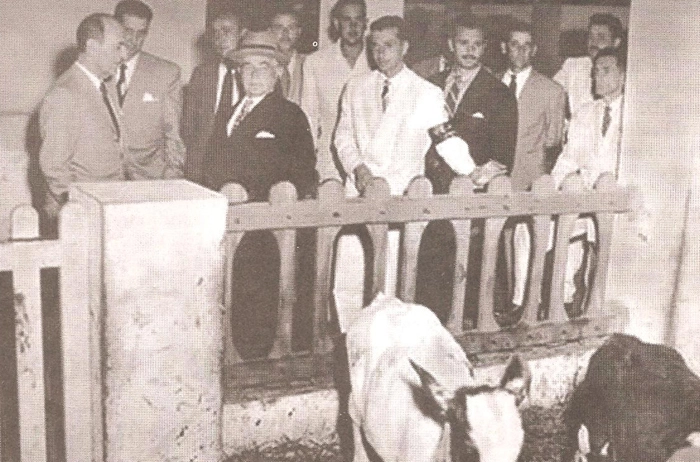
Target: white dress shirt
(325, 74)
(254, 100)
(130, 68)
(392, 144)
(520, 79)
(575, 77)
(587, 150)
(220, 85)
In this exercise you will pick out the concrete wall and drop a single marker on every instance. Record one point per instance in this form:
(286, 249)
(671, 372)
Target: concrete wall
(661, 141)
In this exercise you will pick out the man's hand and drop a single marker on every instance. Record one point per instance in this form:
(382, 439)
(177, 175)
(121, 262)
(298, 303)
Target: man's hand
(363, 175)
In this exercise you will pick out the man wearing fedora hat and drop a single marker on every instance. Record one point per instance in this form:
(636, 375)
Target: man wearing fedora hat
(266, 140)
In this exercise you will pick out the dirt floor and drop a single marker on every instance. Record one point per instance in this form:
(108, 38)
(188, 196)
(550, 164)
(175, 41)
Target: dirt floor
(545, 441)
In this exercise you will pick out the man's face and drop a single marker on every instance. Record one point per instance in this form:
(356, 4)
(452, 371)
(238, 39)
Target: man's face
(520, 50)
(225, 33)
(351, 23)
(388, 51)
(135, 31)
(259, 75)
(599, 37)
(468, 46)
(287, 31)
(108, 53)
(608, 78)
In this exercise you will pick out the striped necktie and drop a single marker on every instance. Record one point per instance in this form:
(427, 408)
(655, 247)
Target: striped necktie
(246, 107)
(452, 98)
(385, 95)
(121, 84)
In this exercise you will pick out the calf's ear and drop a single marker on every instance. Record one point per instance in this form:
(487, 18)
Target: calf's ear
(516, 378)
(440, 396)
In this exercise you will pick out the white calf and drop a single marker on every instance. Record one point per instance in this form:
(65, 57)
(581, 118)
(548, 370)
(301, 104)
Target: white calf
(413, 395)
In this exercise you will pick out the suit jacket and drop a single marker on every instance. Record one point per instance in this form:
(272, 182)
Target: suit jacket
(272, 143)
(151, 120)
(541, 113)
(392, 143)
(80, 141)
(198, 116)
(486, 118)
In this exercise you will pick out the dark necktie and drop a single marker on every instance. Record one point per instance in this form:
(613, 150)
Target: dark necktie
(606, 120)
(513, 84)
(121, 84)
(112, 115)
(452, 98)
(385, 95)
(246, 107)
(225, 108)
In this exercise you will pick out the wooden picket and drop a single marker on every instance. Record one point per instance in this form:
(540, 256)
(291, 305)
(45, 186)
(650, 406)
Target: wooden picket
(26, 255)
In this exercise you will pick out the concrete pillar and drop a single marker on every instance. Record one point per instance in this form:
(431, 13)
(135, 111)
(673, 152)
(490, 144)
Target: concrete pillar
(162, 261)
(661, 139)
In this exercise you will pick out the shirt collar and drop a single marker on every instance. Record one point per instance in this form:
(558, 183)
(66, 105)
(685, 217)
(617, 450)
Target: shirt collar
(396, 79)
(96, 81)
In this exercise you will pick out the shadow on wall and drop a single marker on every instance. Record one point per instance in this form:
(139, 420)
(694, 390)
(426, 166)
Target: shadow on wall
(32, 144)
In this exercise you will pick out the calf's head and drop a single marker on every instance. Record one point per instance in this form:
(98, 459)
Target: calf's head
(484, 421)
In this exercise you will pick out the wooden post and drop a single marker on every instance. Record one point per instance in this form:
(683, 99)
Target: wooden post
(162, 261)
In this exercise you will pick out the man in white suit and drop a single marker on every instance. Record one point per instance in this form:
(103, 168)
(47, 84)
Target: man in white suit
(593, 148)
(325, 74)
(383, 131)
(541, 113)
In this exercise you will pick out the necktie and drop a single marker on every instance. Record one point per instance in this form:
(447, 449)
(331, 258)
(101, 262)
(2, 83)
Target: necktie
(245, 109)
(452, 98)
(121, 84)
(225, 108)
(513, 84)
(385, 95)
(606, 120)
(112, 115)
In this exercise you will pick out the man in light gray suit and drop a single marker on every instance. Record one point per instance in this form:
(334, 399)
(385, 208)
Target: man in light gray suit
(150, 99)
(541, 113)
(80, 127)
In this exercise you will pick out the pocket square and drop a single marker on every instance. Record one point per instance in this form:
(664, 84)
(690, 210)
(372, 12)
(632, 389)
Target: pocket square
(264, 135)
(148, 98)
(478, 115)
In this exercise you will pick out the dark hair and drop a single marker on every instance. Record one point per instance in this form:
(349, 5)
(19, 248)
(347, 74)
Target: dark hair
(390, 22)
(619, 54)
(606, 19)
(133, 8)
(92, 27)
(520, 26)
(465, 21)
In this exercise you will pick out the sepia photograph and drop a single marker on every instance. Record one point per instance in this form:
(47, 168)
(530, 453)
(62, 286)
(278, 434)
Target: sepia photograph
(349, 231)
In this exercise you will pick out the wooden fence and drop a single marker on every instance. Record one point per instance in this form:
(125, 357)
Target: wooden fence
(25, 256)
(284, 214)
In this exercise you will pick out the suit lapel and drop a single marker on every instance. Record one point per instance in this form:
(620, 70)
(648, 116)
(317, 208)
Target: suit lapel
(136, 85)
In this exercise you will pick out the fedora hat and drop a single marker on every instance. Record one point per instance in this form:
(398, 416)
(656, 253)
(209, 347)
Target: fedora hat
(257, 43)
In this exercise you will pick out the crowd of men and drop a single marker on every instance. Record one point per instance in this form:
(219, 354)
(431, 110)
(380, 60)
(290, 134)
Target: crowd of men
(262, 113)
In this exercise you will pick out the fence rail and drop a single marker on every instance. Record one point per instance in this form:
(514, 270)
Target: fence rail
(331, 211)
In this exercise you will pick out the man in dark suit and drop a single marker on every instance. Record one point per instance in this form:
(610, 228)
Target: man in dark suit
(211, 83)
(150, 99)
(483, 112)
(266, 140)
